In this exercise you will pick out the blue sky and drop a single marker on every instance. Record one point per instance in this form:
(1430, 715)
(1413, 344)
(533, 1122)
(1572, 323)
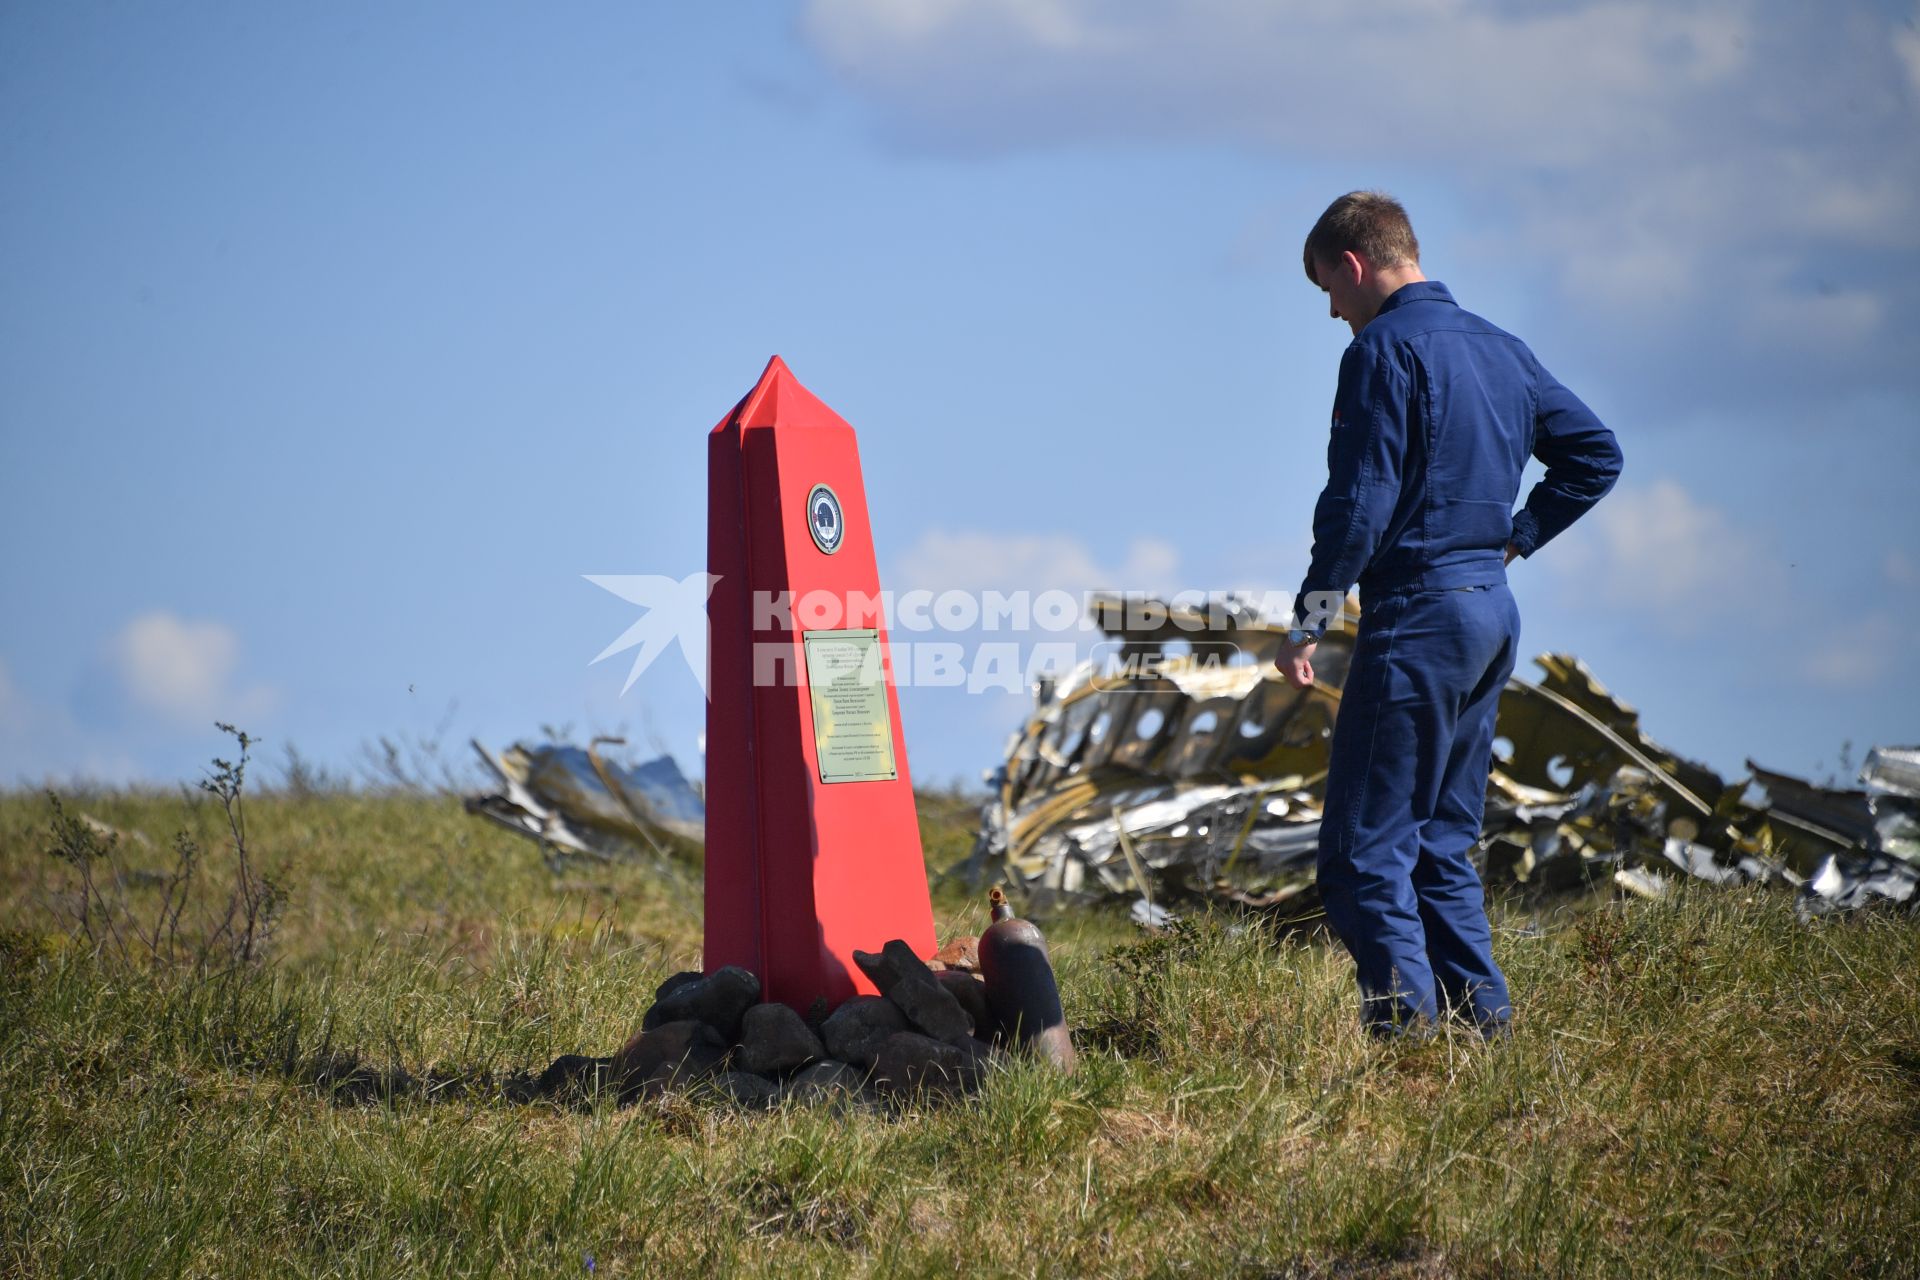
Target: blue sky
(337, 343)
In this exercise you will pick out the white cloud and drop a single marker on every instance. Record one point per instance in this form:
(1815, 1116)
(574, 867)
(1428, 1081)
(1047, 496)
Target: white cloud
(974, 561)
(1906, 46)
(1672, 561)
(1721, 157)
(876, 27)
(1523, 85)
(1855, 655)
(41, 745)
(1829, 319)
(184, 670)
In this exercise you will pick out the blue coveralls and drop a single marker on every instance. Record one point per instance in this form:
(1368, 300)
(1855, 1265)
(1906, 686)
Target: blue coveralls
(1435, 417)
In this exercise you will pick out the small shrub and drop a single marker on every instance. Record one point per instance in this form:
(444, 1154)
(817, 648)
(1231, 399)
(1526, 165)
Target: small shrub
(103, 915)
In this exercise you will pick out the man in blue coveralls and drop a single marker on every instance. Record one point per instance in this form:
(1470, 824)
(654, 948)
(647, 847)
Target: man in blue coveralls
(1436, 414)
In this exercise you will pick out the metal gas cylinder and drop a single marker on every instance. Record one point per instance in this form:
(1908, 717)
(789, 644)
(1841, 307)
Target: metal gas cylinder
(1021, 990)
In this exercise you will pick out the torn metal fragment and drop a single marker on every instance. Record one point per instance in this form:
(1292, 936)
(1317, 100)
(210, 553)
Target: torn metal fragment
(1846, 884)
(1892, 779)
(574, 801)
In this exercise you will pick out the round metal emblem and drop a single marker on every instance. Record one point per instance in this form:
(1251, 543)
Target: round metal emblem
(825, 521)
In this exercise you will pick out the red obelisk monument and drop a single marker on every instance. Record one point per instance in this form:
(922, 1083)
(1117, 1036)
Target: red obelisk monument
(813, 845)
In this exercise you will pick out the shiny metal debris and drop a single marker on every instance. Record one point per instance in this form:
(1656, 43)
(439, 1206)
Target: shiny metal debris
(1178, 764)
(576, 803)
(1892, 778)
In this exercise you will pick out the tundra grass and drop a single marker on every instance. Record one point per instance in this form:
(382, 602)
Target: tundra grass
(1701, 1086)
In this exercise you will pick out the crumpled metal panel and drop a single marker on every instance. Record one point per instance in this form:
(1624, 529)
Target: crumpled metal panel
(1203, 768)
(1844, 884)
(1190, 775)
(1892, 771)
(572, 801)
(1828, 818)
(1892, 779)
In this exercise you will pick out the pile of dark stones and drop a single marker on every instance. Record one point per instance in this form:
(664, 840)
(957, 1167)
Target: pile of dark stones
(931, 1032)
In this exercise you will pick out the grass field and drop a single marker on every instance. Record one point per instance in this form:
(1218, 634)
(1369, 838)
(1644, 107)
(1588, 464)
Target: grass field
(1697, 1087)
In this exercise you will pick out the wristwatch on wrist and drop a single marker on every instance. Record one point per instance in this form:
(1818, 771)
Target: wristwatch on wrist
(1300, 639)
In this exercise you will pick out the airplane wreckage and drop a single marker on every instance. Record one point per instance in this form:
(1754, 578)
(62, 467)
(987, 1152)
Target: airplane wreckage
(1180, 764)
(578, 804)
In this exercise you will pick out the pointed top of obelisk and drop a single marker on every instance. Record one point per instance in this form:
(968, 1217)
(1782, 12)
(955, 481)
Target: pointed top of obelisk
(778, 395)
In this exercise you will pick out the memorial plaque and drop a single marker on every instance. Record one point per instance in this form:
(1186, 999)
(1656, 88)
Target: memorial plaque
(852, 724)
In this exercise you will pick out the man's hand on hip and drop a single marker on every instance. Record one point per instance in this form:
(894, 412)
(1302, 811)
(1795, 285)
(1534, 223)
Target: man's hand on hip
(1512, 551)
(1296, 663)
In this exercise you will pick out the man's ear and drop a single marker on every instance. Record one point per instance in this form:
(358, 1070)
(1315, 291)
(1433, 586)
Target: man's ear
(1354, 267)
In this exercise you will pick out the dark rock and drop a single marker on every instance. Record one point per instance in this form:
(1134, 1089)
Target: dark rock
(747, 1089)
(773, 1038)
(572, 1077)
(817, 1013)
(827, 1081)
(855, 1031)
(672, 1055)
(904, 978)
(910, 1063)
(717, 999)
(676, 982)
(971, 993)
